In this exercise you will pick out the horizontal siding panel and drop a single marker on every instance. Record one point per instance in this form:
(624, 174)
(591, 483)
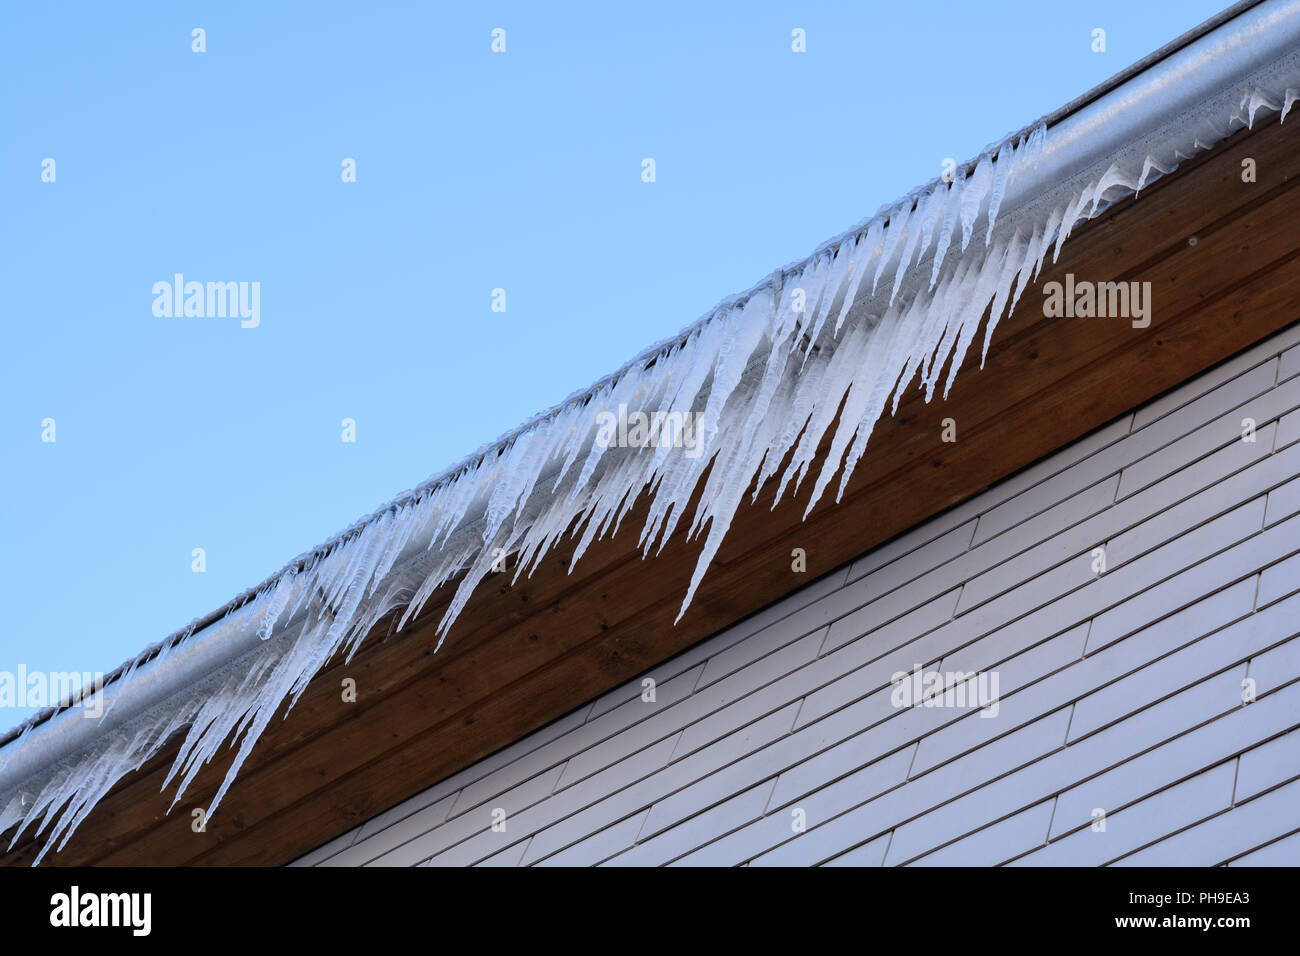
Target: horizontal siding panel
(397, 837)
(1268, 765)
(673, 777)
(995, 844)
(1141, 442)
(686, 836)
(871, 853)
(897, 573)
(1279, 580)
(1059, 767)
(1290, 364)
(1284, 852)
(1288, 430)
(1031, 551)
(1225, 430)
(1283, 502)
(601, 845)
(608, 790)
(1183, 756)
(1177, 592)
(480, 819)
(1225, 649)
(972, 730)
(507, 857)
(1114, 835)
(1244, 827)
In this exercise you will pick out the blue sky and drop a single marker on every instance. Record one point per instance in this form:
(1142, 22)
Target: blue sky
(475, 171)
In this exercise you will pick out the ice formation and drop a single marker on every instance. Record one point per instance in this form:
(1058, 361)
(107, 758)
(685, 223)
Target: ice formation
(766, 372)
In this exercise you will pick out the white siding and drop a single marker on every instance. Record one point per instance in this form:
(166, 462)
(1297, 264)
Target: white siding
(1119, 692)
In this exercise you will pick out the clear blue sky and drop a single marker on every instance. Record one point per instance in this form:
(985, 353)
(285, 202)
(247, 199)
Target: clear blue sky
(475, 171)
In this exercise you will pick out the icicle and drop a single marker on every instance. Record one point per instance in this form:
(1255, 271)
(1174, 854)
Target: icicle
(935, 206)
(1003, 167)
(1033, 150)
(1113, 177)
(920, 229)
(950, 213)
(1068, 220)
(859, 266)
(885, 357)
(816, 278)
(1149, 164)
(1257, 99)
(1045, 241)
(284, 591)
(897, 227)
(972, 197)
(1013, 265)
(984, 289)
(839, 269)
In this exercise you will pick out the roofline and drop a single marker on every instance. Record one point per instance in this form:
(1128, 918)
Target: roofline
(1194, 66)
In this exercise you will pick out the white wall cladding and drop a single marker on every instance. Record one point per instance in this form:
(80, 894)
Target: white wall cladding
(1121, 692)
